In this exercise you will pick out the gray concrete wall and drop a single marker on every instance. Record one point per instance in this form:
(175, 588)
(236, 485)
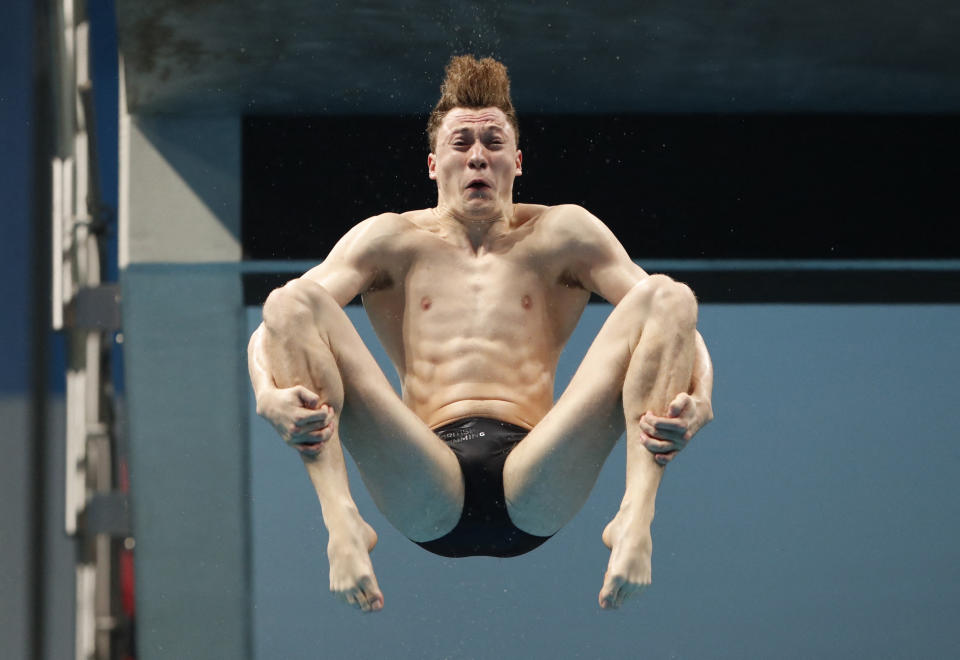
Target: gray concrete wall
(183, 201)
(14, 527)
(16, 580)
(815, 518)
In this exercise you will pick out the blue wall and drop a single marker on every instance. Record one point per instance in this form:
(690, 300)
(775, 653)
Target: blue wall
(16, 181)
(815, 518)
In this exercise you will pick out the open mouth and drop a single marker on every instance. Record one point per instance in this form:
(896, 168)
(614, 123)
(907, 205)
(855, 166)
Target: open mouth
(478, 184)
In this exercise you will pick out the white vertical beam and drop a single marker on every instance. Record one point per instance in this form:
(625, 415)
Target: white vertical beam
(56, 261)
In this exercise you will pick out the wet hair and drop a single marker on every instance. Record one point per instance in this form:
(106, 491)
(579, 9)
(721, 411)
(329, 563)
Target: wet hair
(473, 84)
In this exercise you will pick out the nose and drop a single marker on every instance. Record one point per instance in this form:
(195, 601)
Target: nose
(478, 156)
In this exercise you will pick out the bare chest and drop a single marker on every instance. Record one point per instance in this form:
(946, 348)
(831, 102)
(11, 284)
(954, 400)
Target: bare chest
(476, 289)
(448, 296)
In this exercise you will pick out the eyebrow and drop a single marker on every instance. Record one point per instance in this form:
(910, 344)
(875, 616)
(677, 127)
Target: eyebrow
(466, 129)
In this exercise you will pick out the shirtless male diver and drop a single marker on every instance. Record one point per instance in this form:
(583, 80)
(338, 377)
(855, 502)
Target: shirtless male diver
(473, 301)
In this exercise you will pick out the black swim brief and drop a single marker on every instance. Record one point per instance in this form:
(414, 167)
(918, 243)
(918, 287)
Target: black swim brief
(482, 446)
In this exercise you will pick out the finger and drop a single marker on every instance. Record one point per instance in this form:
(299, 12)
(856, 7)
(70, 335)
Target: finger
(304, 427)
(318, 416)
(309, 399)
(663, 459)
(309, 433)
(673, 426)
(679, 440)
(312, 435)
(653, 433)
(657, 446)
(663, 427)
(309, 450)
(646, 424)
(306, 435)
(309, 444)
(323, 433)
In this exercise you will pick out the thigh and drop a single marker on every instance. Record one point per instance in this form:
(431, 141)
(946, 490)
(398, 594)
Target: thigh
(550, 474)
(412, 475)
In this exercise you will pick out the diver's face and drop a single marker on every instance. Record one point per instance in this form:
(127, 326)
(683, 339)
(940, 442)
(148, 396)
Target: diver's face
(475, 162)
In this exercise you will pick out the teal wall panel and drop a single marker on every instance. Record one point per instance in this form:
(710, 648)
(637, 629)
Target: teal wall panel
(816, 517)
(185, 374)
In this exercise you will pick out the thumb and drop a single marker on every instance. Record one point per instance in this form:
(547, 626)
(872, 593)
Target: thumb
(678, 405)
(308, 398)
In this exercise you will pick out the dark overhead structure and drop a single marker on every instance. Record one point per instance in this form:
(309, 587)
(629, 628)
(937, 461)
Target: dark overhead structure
(370, 57)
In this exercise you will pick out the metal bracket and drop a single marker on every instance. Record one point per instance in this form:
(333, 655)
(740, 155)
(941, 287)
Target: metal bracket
(108, 513)
(96, 308)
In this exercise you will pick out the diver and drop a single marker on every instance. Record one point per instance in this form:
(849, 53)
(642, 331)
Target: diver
(473, 301)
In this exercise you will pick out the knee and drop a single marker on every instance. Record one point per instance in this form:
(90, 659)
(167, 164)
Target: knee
(676, 301)
(665, 298)
(296, 304)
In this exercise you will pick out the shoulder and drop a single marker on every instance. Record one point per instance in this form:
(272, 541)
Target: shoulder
(595, 259)
(375, 234)
(367, 255)
(377, 226)
(573, 224)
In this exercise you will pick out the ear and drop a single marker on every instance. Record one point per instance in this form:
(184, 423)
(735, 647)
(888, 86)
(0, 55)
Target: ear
(519, 162)
(432, 166)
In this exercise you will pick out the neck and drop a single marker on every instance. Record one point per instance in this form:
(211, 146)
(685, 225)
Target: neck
(477, 230)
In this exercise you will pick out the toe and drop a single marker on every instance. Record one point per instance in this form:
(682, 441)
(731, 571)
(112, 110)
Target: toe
(351, 599)
(609, 593)
(370, 593)
(625, 592)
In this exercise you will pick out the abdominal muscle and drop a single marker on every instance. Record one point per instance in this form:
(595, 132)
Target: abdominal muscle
(479, 378)
(490, 351)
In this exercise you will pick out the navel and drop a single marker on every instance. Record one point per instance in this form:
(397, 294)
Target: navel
(425, 303)
(526, 302)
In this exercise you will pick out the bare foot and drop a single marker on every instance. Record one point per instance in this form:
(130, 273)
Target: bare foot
(628, 571)
(351, 571)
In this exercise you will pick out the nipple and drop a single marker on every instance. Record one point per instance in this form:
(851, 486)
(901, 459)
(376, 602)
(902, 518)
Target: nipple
(425, 303)
(526, 302)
